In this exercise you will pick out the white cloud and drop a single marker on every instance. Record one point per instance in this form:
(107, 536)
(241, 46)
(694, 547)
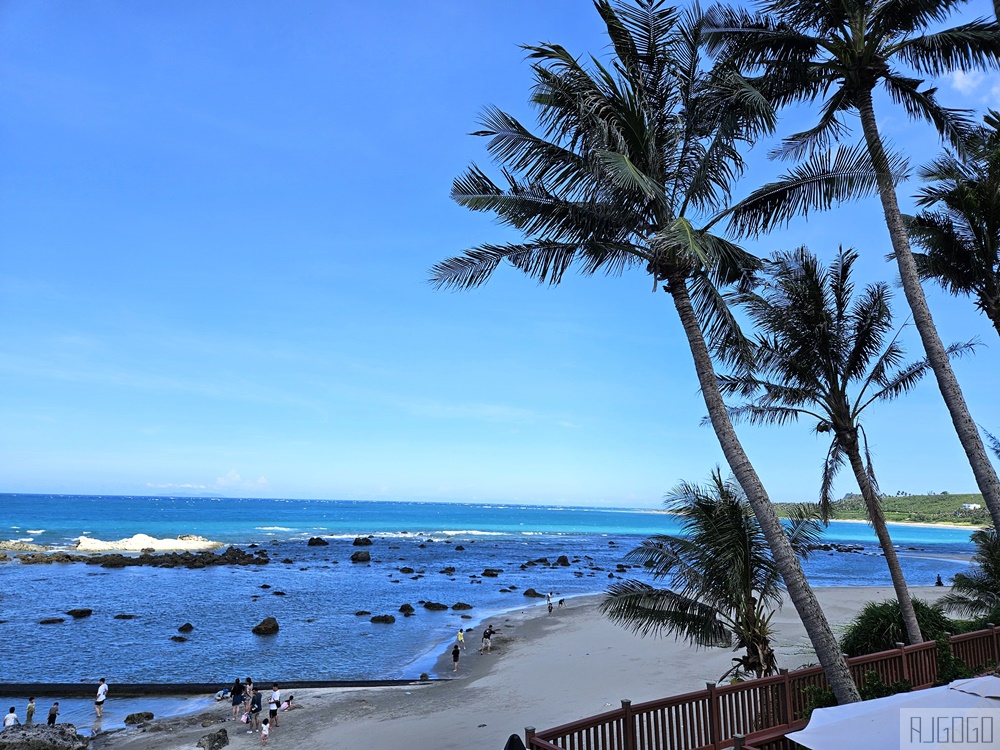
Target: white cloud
(233, 479)
(966, 82)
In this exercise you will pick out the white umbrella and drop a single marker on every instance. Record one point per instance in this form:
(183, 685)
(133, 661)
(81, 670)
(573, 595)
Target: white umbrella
(877, 724)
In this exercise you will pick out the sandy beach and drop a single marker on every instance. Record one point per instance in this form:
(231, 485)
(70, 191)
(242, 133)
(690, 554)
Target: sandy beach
(544, 670)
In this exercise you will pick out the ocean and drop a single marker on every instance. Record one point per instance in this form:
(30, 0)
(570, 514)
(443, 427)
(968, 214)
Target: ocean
(421, 552)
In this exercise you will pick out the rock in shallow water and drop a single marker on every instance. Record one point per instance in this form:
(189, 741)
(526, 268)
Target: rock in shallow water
(267, 626)
(42, 737)
(139, 717)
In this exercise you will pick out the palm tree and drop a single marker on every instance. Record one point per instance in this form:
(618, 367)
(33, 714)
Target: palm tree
(633, 156)
(840, 51)
(961, 237)
(827, 355)
(726, 585)
(977, 593)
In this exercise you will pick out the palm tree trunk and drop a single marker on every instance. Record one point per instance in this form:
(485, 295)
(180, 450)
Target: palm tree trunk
(968, 435)
(801, 593)
(877, 518)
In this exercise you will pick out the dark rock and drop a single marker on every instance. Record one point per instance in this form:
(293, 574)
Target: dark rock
(52, 621)
(435, 606)
(280, 593)
(125, 617)
(267, 626)
(533, 594)
(362, 555)
(178, 638)
(265, 585)
(460, 606)
(383, 619)
(185, 628)
(406, 608)
(290, 561)
(317, 541)
(214, 740)
(406, 571)
(362, 541)
(449, 571)
(562, 560)
(139, 717)
(362, 613)
(492, 572)
(42, 737)
(459, 548)
(78, 613)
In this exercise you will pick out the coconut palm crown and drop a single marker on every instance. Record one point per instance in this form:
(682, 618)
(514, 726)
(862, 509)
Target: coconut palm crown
(960, 231)
(724, 584)
(633, 164)
(839, 52)
(826, 354)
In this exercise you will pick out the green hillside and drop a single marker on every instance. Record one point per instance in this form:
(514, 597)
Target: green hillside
(939, 508)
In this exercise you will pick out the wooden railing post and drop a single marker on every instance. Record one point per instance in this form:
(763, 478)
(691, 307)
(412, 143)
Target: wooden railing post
(738, 741)
(784, 699)
(993, 644)
(629, 737)
(902, 656)
(529, 735)
(714, 725)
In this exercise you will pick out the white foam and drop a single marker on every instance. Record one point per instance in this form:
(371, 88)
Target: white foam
(139, 542)
(36, 531)
(273, 528)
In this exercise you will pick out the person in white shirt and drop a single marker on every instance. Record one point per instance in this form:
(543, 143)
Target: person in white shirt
(272, 705)
(10, 719)
(102, 694)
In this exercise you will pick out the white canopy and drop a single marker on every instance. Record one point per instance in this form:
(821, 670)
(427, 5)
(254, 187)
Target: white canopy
(875, 724)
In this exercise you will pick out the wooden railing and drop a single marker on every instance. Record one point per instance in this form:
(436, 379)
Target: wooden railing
(756, 714)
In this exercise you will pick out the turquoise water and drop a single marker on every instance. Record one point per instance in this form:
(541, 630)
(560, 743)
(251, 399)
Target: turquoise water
(321, 637)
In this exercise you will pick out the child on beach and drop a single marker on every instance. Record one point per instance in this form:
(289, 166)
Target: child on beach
(29, 712)
(287, 705)
(455, 653)
(265, 730)
(10, 719)
(53, 713)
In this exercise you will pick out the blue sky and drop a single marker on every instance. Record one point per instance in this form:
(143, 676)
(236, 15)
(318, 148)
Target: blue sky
(216, 225)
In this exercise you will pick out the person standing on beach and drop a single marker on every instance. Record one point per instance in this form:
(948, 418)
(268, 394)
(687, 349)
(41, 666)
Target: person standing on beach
(255, 706)
(455, 653)
(236, 698)
(461, 638)
(53, 713)
(247, 694)
(29, 712)
(487, 646)
(273, 704)
(265, 730)
(11, 719)
(102, 695)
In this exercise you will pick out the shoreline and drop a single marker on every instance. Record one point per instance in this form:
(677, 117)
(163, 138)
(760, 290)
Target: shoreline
(544, 670)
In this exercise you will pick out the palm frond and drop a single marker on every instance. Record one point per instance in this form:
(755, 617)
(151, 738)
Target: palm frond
(820, 182)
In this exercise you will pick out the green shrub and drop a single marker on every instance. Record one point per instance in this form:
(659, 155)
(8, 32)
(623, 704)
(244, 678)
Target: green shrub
(949, 666)
(875, 688)
(879, 626)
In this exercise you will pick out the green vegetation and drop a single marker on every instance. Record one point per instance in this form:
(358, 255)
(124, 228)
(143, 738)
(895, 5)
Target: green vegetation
(879, 626)
(934, 508)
